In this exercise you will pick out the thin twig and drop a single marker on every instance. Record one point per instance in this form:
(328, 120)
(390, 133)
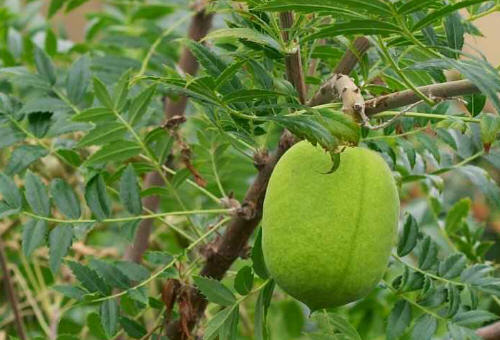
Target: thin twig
(428, 116)
(400, 135)
(165, 267)
(367, 124)
(11, 293)
(32, 301)
(151, 332)
(129, 218)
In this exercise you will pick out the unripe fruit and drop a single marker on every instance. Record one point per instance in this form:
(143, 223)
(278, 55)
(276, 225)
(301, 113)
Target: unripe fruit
(327, 238)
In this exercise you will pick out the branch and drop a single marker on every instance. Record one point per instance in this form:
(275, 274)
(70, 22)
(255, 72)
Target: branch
(10, 292)
(328, 92)
(407, 97)
(340, 86)
(353, 56)
(293, 61)
(332, 90)
(490, 332)
(200, 24)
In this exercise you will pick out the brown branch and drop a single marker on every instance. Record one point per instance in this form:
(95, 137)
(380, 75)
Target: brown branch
(407, 97)
(200, 24)
(11, 293)
(329, 91)
(353, 55)
(293, 61)
(490, 332)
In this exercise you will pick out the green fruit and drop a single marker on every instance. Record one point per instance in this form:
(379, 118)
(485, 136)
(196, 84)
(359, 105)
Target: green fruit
(327, 238)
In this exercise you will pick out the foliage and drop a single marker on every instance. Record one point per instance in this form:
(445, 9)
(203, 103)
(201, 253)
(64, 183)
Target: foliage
(82, 123)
